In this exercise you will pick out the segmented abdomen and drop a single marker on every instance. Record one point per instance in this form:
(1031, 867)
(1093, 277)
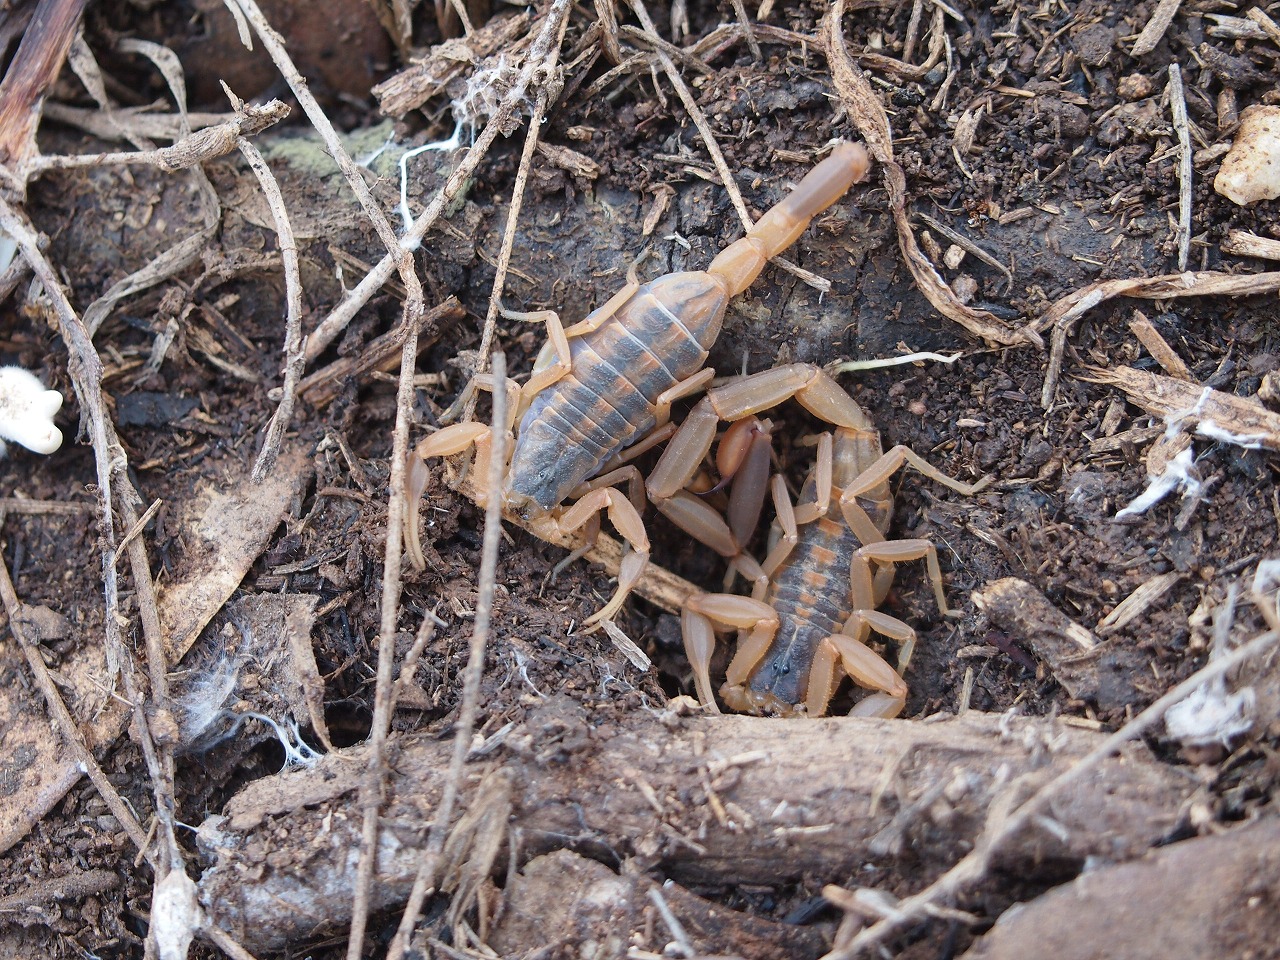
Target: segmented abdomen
(606, 402)
(810, 593)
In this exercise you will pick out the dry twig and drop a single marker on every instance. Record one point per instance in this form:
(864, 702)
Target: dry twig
(1063, 315)
(426, 880)
(294, 360)
(1178, 108)
(868, 114)
(1151, 34)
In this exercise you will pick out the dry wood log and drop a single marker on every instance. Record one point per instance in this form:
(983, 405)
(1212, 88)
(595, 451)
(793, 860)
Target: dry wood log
(702, 800)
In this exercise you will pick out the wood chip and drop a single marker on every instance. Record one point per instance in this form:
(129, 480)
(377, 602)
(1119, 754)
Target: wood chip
(1151, 34)
(1158, 347)
(1137, 603)
(1021, 610)
(578, 164)
(1210, 413)
(1242, 243)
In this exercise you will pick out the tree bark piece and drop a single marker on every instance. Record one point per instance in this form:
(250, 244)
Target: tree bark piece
(1020, 609)
(564, 901)
(704, 801)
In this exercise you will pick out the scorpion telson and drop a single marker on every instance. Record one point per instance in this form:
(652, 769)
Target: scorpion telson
(602, 389)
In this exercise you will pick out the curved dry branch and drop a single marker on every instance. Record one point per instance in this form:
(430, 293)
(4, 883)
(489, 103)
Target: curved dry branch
(706, 800)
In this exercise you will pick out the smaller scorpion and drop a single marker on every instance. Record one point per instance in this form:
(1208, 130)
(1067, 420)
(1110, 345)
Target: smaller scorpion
(828, 567)
(607, 384)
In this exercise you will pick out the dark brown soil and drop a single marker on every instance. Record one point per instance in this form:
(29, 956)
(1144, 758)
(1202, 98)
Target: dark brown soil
(1068, 182)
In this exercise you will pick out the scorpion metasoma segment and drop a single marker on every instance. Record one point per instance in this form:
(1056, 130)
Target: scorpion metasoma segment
(828, 567)
(606, 384)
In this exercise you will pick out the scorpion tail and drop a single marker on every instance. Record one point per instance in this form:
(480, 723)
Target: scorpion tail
(740, 263)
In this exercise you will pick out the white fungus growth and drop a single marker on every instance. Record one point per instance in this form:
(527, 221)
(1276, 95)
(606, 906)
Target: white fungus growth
(1178, 472)
(1211, 715)
(26, 411)
(485, 91)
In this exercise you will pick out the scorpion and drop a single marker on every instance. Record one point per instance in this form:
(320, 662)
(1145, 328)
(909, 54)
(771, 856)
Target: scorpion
(828, 566)
(606, 385)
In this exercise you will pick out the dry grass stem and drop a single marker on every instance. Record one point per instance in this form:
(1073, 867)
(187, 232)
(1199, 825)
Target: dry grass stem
(1181, 127)
(426, 880)
(294, 360)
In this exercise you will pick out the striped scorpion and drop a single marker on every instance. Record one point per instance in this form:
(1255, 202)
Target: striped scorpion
(828, 565)
(601, 390)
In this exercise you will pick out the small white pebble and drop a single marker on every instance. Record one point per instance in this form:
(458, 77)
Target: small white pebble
(26, 411)
(1251, 170)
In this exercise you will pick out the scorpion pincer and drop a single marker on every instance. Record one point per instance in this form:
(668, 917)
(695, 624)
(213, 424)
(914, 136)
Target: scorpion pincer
(606, 384)
(829, 565)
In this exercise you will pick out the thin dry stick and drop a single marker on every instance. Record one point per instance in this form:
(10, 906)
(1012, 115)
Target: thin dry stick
(713, 148)
(425, 882)
(1178, 107)
(402, 257)
(338, 319)
(740, 11)
(976, 863)
(468, 397)
(372, 785)
(426, 632)
(208, 144)
(294, 360)
(66, 724)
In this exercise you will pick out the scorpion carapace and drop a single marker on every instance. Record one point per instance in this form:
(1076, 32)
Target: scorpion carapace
(603, 385)
(813, 604)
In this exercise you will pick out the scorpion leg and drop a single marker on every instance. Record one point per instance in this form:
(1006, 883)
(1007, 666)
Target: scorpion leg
(626, 520)
(840, 654)
(447, 442)
(701, 614)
